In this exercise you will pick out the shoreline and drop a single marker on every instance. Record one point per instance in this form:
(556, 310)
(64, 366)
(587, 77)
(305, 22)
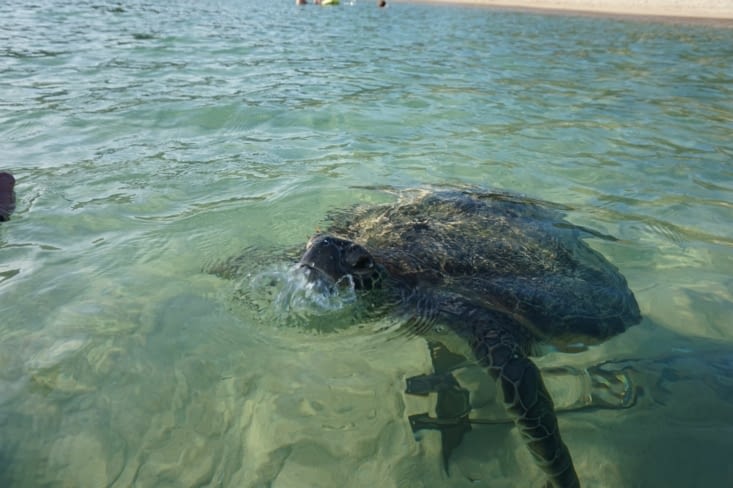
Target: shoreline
(704, 12)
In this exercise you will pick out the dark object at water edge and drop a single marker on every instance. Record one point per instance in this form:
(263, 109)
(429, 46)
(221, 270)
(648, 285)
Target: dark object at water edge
(7, 196)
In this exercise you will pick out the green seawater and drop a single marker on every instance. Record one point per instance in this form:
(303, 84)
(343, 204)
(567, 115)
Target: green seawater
(151, 141)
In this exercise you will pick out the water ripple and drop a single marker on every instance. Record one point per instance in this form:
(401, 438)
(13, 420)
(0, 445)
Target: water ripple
(153, 141)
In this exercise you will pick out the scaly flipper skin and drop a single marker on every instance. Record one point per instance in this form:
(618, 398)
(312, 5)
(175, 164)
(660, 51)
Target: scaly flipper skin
(526, 399)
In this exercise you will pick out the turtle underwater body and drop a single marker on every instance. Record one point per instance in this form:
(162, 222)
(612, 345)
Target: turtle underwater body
(504, 272)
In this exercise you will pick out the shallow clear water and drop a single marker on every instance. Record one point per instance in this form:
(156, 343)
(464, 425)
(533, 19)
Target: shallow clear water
(152, 141)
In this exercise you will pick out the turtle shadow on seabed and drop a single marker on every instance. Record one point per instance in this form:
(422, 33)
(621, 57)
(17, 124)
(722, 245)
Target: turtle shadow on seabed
(7, 196)
(624, 419)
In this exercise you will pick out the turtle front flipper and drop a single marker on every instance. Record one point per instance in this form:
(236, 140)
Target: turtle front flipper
(527, 401)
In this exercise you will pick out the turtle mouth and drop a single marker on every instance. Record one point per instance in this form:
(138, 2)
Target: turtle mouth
(323, 281)
(313, 273)
(317, 277)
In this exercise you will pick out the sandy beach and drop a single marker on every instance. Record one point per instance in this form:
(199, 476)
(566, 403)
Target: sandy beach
(704, 11)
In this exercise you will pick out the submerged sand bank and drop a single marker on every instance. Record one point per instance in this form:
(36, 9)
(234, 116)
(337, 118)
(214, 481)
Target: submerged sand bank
(715, 11)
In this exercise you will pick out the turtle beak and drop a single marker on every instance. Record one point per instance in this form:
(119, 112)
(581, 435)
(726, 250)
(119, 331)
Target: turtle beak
(315, 275)
(311, 271)
(321, 261)
(318, 279)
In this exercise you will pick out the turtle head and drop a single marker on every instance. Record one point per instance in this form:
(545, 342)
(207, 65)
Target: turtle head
(333, 261)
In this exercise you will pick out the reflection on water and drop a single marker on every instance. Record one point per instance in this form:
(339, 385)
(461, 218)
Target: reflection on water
(151, 143)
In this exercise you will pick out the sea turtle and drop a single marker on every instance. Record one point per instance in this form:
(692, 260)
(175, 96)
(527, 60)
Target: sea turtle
(504, 272)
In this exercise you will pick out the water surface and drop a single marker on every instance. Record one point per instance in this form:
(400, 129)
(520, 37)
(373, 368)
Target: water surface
(152, 141)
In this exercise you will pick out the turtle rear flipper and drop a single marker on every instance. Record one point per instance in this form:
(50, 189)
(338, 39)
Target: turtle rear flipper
(611, 388)
(602, 386)
(526, 399)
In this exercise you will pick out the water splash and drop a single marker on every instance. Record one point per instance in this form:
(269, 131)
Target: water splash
(300, 295)
(284, 296)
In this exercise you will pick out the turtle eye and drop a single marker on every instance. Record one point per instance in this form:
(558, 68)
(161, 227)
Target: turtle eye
(364, 262)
